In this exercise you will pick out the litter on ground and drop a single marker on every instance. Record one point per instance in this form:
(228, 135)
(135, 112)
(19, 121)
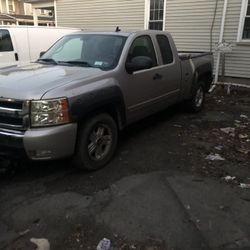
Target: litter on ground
(230, 131)
(215, 157)
(243, 136)
(244, 185)
(104, 244)
(219, 148)
(42, 244)
(229, 178)
(244, 116)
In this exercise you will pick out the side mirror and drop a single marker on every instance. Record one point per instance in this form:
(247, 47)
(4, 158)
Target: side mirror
(139, 63)
(42, 53)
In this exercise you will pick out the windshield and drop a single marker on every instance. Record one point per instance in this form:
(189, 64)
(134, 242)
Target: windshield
(86, 50)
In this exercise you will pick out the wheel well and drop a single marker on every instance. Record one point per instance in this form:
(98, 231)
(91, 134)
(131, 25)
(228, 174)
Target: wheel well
(115, 110)
(207, 79)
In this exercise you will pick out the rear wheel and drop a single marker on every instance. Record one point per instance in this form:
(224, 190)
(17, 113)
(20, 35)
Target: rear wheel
(195, 104)
(96, 143)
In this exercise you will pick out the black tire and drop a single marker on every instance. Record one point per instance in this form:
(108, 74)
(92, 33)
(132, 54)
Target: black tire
(97, 141)
(196, 103)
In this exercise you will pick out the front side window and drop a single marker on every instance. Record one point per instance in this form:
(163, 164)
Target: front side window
(142, 46)
(156, 15)
(5, 41)
(90, 50)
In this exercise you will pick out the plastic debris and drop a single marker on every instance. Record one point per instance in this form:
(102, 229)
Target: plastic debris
(215, 157)
(230, 131)
(24, 232)
(243, 150)
(244, 116)
(243, 136)
(104, 244)
(229, 178)
(244, 185)
(42, 244)
(219, 148)
(240, 126)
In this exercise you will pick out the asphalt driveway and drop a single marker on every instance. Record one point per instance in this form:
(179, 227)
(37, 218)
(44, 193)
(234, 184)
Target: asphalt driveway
(178, 181)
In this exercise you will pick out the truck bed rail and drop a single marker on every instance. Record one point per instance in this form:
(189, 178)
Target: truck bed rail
(186, 55)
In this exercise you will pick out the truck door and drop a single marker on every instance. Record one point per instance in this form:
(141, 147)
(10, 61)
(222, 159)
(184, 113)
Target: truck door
(146, 90)
(7, 53)
(170, 70)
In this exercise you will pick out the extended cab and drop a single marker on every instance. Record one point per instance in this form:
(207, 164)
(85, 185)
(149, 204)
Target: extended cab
(88, 86)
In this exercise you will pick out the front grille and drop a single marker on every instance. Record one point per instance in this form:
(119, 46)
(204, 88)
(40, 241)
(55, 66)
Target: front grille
(11, 104)
(13, 114)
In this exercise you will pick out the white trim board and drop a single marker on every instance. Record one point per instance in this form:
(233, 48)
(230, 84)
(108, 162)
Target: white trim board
(146, 14)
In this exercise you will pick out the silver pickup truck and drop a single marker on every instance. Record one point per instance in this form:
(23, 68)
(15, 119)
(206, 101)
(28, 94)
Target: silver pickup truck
(88, 86)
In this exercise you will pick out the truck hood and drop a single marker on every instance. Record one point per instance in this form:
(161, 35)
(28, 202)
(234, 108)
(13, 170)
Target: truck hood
(34, 80)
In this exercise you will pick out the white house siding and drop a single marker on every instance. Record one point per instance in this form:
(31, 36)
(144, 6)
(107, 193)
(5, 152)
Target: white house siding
(101, 15)
(190, 22)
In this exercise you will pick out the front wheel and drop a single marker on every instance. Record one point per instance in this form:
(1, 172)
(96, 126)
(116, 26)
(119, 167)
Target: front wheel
(97, 140)
(195, 104)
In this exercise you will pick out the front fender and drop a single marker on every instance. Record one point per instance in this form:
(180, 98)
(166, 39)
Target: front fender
(97, 99)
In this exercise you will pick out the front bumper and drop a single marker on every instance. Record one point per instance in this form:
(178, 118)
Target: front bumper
(41, 143)
(11, 145)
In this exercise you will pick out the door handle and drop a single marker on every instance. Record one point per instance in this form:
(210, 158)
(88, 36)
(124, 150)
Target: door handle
(157, 76)
(16, 57)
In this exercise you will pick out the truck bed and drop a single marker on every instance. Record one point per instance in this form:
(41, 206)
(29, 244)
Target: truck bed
(185, 55)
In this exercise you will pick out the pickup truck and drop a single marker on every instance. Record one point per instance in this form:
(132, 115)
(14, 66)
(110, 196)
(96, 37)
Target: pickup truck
(73, 101)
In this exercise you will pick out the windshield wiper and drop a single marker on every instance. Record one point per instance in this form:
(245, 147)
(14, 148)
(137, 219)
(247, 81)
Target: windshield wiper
(49, 60)
(80, 63)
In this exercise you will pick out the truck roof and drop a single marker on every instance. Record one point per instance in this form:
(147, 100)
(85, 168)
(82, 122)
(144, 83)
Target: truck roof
(122, 33)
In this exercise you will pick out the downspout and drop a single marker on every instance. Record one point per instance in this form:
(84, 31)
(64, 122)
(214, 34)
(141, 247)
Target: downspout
(55, 13)
(212, 26)
(221, 40)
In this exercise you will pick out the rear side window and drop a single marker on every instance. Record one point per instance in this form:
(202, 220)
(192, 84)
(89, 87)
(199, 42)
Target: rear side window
(5, 41)
(166, 52)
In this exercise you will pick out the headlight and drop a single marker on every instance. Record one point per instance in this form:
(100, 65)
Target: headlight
(49, 112)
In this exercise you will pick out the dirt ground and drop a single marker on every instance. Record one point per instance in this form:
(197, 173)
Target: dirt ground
(163, 189)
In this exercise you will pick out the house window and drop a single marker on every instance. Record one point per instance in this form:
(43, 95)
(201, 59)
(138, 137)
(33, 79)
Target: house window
(246, 30)
(244, 27)
(156, 15)
(11, 6)
(43, 12)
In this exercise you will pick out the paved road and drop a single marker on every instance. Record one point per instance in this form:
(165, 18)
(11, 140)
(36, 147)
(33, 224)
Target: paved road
(159, 192)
